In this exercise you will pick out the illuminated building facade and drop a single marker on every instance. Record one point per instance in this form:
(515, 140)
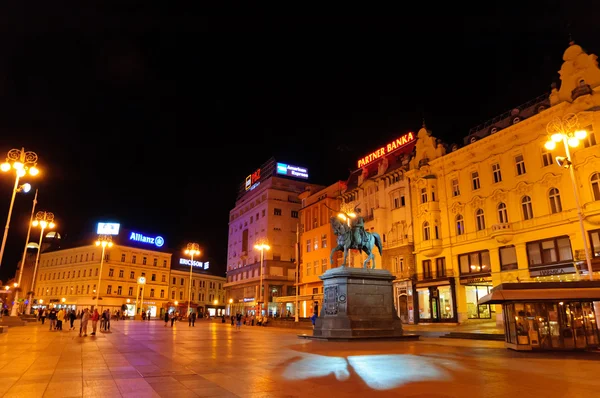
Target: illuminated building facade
(207, 291)
(499, 209)
(266, 211)
(380, 190)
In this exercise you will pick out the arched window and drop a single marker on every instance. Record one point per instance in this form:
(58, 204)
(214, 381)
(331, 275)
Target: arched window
(426, 234)
(526, 208)
(502, 213)
(460, 224)
(595, 180)
(479, 220)
(555, 204)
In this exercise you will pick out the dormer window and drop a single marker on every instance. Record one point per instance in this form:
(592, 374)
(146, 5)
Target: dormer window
(581, 83)
(473, 139)
(516, 120)
(494, 130)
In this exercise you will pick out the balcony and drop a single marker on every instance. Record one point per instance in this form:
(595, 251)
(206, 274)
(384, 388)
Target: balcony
(503, 232)
(433, 275)
(431, 247)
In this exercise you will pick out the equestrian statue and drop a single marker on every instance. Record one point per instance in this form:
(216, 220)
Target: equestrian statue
(351, 234)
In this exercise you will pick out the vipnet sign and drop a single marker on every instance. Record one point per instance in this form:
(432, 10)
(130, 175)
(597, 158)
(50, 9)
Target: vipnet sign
(198, 264)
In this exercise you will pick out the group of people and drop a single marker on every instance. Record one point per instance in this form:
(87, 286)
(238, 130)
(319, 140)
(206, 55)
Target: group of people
(249, 320)
(56, 317)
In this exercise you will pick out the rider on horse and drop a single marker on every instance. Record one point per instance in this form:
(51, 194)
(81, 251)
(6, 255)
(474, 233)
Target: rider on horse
(358, 229)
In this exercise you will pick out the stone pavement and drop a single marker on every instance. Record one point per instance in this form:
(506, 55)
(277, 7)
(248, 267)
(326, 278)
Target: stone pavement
(145, 359)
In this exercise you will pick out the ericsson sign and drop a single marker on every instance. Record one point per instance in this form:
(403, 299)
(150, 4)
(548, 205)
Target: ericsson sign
(198, 264)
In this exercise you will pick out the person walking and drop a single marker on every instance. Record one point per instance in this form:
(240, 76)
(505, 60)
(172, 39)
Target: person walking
(173, 317)
(107, 324)
(166, 318)
(52, 318)
(85, 317)
(72, 317)
(238, 324)
(60, 317)
(95, 318)
(192, 319)
(44, 314)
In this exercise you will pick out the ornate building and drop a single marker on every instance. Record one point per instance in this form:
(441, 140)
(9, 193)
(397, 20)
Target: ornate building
(500, 208)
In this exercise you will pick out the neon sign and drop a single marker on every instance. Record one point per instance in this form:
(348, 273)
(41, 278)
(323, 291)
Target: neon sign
(387, 149)
(199, 264)
(108, 228)
(157, 241)
(292, 171)
(252, 180)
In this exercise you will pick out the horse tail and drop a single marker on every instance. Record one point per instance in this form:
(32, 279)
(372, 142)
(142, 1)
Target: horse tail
(378, 243)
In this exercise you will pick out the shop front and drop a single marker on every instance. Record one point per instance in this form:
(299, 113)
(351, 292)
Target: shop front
(548, 315)
(477, 287)
(436, 301)
(215, 310)
(404, 301)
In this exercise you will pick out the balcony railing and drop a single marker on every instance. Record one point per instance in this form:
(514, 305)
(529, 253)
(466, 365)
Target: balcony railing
(446, 273)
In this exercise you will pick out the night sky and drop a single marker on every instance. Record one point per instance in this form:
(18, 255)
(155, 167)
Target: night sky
(153, 119)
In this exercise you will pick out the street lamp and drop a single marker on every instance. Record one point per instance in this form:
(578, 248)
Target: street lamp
(43, 220)
(566, 130)
(22, 163)
(104, 241)
(262, 247)
(191, 250)
(141, 281)
(13, 311)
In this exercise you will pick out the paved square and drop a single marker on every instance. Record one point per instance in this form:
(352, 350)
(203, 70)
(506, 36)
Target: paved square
(145, 359)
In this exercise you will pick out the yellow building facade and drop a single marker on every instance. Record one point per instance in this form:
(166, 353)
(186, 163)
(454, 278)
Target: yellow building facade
(70, 277)
(500, 209)
(207, 293)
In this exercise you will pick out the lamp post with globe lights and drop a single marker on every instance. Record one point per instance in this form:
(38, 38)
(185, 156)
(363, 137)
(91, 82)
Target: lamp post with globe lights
(104, 241)
(43, 220)
(567, 132)
(23, 163)
(192, 249)
(262, 247)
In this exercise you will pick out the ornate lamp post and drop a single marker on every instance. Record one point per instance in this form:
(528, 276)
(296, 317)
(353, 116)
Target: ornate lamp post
(13, 311)
(43, 219)
(566, 130)
(262, 247)
(141, 281)
(22, 163)
(104, 241)
(191, 250)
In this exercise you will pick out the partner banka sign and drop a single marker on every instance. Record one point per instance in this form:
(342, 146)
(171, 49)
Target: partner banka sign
(157, 241)
(194, 263)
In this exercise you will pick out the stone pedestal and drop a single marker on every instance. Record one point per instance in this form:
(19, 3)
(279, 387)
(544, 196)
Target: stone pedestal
(358, 303)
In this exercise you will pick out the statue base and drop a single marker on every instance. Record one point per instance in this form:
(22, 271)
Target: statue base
(358, 303)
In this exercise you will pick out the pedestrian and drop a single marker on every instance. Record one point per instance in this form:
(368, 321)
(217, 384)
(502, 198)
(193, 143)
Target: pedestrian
(166, 318)
(85, 317)
(103, 321)
(44, 315)
(172, 318)
(107, 324)
(72, 317)
(238, 324)
(95, 318)
(313, 319)
(52, 318)
(60, 317)
(192, 319)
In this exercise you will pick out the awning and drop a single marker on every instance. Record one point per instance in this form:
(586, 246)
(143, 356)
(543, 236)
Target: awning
(502, 296)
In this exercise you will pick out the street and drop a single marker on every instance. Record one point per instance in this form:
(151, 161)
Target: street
(146, 359)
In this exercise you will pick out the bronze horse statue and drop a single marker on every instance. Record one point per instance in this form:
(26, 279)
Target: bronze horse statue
(345, 242)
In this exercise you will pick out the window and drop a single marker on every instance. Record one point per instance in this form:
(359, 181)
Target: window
(173, 295)
(549, 251)
(109, 289)
(111, 272)
(133, 259)
(455, 188)
(398, 200)
(144, 260)
(520, 163)
(427, 269)
(181, 295)
(502, 213)
(153, 277)
(460, 224)
(308, 247)
(546, 157)
(130, 292)
(497, 173)
(527, 208)
(316, 245)
(440, 267)
(119, 290)
(595, 242)
(474, 263)
(277, 212)
(294, 214)
(475, 180)
(555, 204)
(155, 262)
(590, 139)
(182, 281)
(164, 263)
(174, 280)
(323, 241)
(132, 275)
(508, 258)
(595, 180)
(323, 265)
(123, 258)
(164, 278)
(480, 220)
(162, 293)
(426, 232)
(423, 195)
(121, 273)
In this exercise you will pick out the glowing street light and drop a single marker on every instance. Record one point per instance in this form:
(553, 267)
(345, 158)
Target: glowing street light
(22, 163)
(192, 249)
(262, 247)
(567, 131)
(43, 220)
(104, 241)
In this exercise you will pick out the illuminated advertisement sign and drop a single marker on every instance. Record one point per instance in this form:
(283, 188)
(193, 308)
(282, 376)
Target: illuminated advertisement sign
(199, 264)
(108, 228)
(252, 180)
(387, 149)
(157, 241)
(292, 171)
